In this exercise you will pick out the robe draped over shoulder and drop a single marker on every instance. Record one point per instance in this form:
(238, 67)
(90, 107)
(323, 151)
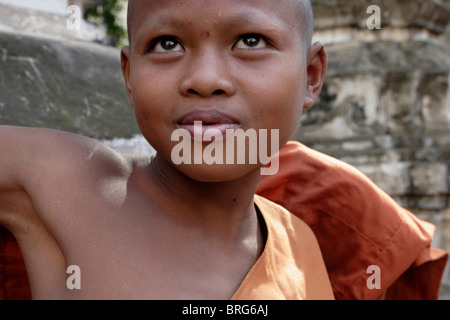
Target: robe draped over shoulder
(357, 226)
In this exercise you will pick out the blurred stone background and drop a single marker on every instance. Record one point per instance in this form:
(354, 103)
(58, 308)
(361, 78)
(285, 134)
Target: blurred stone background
(385, 106)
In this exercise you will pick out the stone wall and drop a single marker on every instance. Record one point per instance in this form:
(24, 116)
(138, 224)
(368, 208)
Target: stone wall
(385, 105)
(57, 80)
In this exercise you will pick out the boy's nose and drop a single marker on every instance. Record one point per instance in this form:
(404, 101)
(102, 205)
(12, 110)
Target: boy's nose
(208, 75)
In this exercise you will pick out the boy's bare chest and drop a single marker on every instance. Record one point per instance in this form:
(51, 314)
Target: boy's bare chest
(131, 251)
(136, 276)
(121, 264)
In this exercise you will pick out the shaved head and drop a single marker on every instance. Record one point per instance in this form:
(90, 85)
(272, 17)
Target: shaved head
(303, 12)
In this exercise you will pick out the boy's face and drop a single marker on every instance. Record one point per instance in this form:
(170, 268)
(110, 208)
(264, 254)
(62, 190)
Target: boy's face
(242, 64)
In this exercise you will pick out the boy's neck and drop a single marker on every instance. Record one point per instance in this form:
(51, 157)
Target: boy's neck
(223, 209)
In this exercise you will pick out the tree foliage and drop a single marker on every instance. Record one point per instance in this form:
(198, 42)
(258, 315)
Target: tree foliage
(107, 13)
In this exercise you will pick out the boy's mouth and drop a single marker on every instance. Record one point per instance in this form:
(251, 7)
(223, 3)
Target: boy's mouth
(199, 121)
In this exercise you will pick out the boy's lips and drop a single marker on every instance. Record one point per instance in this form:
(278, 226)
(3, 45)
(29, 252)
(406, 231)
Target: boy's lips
(209, 119)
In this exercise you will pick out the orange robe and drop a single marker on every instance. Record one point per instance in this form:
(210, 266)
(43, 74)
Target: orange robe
(13, 277)
(357, 225)
(291, 266)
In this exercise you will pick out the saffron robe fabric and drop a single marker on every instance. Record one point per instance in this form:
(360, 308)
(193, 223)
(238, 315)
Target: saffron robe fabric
(291, 266)
(356, 225)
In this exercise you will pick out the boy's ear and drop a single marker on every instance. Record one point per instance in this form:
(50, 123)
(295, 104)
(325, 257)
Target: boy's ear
(125, 62)
(316, 70)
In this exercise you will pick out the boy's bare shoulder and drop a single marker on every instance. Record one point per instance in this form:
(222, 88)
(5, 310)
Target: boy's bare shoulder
(50, 170)
(41, 148)
(49, 164)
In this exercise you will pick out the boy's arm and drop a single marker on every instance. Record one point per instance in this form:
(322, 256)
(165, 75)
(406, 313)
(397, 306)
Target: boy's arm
(13, 278)
(38, 166)
(15, 152)
(26, 162)
(39, 170)
(29, 159)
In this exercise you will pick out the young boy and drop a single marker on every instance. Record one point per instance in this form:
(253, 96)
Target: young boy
(146, 228)
(150, 228)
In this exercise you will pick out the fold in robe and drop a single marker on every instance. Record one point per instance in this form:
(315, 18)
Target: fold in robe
(357, 225)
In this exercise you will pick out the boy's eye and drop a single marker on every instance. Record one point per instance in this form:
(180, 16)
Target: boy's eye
(251, 41)
(166, 44)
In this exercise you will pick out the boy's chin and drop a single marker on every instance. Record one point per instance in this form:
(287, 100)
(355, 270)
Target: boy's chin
(218, 172)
